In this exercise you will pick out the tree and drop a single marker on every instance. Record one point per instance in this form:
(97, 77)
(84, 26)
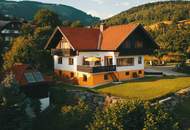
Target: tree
(22, 51)
(29, 49)
(66, 117)
(1, 52)
(76, 24)
(12, 106)
(158, 119)
(41, 36)
(45, 17)
(27, 29)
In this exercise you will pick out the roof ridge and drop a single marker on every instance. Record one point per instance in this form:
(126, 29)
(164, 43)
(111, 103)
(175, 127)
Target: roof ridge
(62, 27)
(135, 24)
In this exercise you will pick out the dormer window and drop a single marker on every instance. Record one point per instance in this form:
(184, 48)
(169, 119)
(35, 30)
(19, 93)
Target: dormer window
(128, 44)
(138, 44)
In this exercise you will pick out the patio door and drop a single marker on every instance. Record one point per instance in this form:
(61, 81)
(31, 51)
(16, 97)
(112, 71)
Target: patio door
(108, 60)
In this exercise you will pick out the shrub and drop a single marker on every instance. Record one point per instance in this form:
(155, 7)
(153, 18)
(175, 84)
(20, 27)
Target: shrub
(133, 115)
(67, 117)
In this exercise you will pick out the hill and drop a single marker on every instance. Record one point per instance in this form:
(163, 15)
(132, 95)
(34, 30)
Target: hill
(158, 25)
(168, 22)
(27, 9)
(153, 13)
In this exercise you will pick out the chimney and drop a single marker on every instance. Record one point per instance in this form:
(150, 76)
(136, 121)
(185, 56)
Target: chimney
(101, 27)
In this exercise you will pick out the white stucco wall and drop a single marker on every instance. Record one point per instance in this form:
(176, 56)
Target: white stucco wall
(79, 59)
(65, 64)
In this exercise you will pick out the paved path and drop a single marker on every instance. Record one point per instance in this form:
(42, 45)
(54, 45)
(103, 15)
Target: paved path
(167, 70)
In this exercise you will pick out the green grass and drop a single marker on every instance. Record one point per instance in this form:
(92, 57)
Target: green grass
(147, 88)
(73, 87)
(182, 112)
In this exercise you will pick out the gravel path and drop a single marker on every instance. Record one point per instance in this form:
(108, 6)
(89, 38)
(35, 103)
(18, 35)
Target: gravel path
(167, 70)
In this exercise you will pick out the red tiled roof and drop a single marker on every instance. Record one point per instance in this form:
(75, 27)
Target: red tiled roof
(94, 39)
(82, 38)
(19, 70)
(115, 35)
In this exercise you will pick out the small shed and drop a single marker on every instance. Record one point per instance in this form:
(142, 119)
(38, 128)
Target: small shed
(32, 81)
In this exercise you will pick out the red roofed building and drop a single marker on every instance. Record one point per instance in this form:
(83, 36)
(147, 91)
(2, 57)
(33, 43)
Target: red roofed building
(93, 57)
(25, 75)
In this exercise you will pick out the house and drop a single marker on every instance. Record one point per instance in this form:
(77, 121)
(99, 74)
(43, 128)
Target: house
(92, 57)
(9, 30)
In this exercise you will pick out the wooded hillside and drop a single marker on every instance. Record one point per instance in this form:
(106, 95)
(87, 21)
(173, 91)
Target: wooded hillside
(27, 10)
(153, 12)
(167, 22)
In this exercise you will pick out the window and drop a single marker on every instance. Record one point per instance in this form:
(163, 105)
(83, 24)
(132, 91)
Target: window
(140, 71)
(84, 78)
(29, 77)
(139, 60)
(127, 73)
(72, 74)
(135, 75)
(38, 76)
(108, 60)
(85, 62)
(7, 39)
(71, 61)
(125, 61)
(64, 45)
(106, 77)
(138, 44)
(5, 31)
(60, 60)
(98, 63)
(128, 44)
(16, 31)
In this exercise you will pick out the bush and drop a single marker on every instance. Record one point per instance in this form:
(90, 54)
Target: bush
(134, 115)
(67, 117)
(60, 96)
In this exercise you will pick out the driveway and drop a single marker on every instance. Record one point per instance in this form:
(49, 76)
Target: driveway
(167, 70)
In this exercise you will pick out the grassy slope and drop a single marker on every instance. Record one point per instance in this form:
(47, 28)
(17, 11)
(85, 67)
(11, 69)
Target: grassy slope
(148, 88)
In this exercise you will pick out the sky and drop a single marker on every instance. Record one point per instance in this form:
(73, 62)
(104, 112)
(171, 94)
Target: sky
(100, 8)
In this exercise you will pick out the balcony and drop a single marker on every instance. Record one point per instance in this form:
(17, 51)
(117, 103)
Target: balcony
(96, 69)
(63, 52)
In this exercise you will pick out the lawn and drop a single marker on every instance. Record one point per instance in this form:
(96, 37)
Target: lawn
(147, 88)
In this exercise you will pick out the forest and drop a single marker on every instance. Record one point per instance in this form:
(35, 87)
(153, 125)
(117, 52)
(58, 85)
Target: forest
(172, 32)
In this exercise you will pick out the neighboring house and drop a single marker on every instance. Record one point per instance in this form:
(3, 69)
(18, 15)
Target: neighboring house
(9, 30)
(27, 76)
(91, 57)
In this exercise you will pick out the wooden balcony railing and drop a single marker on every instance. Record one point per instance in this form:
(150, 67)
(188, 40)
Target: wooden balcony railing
(63, 52)
(96, 69)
